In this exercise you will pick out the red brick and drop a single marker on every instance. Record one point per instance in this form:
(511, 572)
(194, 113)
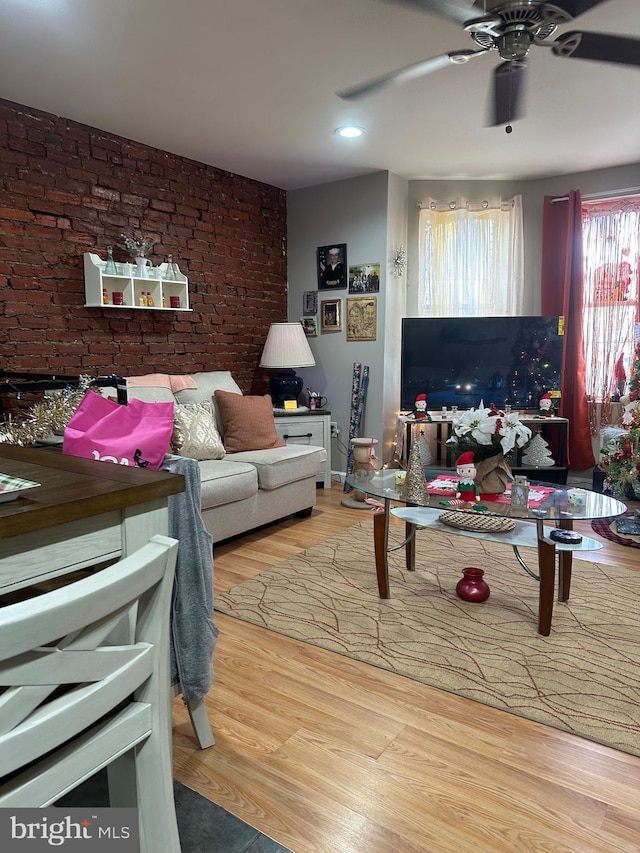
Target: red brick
(227, 233)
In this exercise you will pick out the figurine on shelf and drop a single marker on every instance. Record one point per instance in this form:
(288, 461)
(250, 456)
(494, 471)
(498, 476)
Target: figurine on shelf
(467, 489)
(545, 406)
(420, 412)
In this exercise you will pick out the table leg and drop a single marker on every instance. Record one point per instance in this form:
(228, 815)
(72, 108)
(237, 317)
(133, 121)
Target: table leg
(565, 563)
(547, 569)
(410, 547)
(380, 543)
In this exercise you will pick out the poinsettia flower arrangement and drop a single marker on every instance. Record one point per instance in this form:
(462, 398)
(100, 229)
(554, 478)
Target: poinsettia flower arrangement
(488, 432)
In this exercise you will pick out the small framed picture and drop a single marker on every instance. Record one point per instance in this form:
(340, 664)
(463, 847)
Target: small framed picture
(332, 267)
(362, 318)
(330, 318)
(310, 326)
(364, 278)
(310, 302)
(520, 493)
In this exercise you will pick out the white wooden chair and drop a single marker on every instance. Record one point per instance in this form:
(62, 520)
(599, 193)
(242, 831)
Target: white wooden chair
(71, 704)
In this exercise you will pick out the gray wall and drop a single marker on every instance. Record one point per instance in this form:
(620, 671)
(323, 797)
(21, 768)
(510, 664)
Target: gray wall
(373, 214)
(366, 213)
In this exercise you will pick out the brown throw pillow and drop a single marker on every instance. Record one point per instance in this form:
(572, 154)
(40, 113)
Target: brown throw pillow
(247, 422)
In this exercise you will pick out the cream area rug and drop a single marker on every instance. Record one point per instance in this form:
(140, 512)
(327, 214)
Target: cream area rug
(583, 678)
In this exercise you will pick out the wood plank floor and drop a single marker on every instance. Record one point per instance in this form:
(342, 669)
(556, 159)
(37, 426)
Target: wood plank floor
(327, 755)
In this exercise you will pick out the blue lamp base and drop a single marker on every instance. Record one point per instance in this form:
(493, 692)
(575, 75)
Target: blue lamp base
(285, 385)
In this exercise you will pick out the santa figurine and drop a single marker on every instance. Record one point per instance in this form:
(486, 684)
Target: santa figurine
(545, 406)
(466, 489)
(420, 412)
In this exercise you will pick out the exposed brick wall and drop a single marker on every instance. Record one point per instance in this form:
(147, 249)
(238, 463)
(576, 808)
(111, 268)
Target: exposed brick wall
(67, 189)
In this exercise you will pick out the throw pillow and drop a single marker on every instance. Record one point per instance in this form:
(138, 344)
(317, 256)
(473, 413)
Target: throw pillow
(247, 422)
(195, 434)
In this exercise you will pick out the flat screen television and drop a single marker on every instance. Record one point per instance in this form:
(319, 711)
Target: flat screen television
(461, 361)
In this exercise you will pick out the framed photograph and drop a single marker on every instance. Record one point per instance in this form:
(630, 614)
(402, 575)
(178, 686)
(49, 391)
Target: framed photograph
(362, 318)
(310, 302)
(332, 267)
(310, 326)
(364, 278)
(330, 318)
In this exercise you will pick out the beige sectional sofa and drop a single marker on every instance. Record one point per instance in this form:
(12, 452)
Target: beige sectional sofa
(244, 490)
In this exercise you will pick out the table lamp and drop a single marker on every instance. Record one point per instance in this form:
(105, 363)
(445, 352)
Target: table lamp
(286, 347)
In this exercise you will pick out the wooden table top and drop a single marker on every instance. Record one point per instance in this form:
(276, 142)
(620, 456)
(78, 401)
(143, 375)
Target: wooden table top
(73, 488)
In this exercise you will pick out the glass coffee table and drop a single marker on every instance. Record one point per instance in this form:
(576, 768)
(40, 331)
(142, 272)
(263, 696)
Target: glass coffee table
(532, 526)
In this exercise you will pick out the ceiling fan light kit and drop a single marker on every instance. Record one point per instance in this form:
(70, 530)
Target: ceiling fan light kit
(510, 28)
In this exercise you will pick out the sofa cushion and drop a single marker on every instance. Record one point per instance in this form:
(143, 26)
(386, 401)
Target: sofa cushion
(247, 422)
(224, 481)
(279, 466)
(195, 434)
(150, 394)
(208, 384)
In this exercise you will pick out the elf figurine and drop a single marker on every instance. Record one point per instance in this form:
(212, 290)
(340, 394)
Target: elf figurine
(420, 412)
(467, 489)
(545, 406)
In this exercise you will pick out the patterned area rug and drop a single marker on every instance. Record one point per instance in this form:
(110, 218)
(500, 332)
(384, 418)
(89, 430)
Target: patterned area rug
(583, 678)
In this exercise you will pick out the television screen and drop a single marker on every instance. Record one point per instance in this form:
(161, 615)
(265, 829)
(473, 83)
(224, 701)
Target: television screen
(461, 361)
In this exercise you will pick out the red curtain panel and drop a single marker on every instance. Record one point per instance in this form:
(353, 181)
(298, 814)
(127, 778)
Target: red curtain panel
(562, 292)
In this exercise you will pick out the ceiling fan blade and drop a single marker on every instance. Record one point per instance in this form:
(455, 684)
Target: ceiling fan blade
(509, 80)
(457, 11)
(575, 7)
(599, 46)
(409, 72)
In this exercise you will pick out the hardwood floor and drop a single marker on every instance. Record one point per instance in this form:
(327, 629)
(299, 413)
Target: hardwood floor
(328, 755)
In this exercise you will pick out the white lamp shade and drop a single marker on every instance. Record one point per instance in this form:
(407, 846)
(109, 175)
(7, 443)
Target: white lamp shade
(286, 346)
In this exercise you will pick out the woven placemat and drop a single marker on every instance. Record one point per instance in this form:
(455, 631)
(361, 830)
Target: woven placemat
(480, 522)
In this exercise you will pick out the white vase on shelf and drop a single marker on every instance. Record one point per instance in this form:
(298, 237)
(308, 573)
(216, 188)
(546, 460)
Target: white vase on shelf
(141, 267)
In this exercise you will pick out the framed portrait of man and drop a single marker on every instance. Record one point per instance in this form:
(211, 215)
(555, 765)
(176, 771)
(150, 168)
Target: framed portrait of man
(332, 267)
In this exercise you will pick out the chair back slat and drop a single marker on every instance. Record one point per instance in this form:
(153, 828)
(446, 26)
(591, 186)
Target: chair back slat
(65, 716)
(46, 618)
(73, 702)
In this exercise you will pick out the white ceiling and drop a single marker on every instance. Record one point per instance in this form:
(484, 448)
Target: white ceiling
(249, 86)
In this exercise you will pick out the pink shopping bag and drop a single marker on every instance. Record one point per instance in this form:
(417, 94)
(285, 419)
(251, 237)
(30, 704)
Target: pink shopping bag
(136, 434)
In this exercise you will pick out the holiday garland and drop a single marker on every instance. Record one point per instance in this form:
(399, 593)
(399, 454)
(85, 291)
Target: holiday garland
(47, 416)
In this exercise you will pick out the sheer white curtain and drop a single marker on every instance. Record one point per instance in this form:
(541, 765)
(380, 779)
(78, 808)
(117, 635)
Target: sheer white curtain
(611, 239)
(471, 258)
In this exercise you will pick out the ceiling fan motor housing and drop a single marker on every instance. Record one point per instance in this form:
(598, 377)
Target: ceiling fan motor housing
(511, 27)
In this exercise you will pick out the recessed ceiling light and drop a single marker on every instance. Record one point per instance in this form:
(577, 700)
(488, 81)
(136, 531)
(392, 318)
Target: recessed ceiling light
(350, 132)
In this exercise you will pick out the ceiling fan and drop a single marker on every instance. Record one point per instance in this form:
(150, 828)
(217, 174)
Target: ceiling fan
(510, 27)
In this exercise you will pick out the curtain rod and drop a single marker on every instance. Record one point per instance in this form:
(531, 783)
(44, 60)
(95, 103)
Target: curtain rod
(453, 205)
(604, 194)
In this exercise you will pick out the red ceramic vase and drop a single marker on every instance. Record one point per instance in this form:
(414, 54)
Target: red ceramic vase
(472, 587)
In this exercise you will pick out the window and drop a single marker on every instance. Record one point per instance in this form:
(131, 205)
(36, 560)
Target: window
(611, 246)
(471, 258)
